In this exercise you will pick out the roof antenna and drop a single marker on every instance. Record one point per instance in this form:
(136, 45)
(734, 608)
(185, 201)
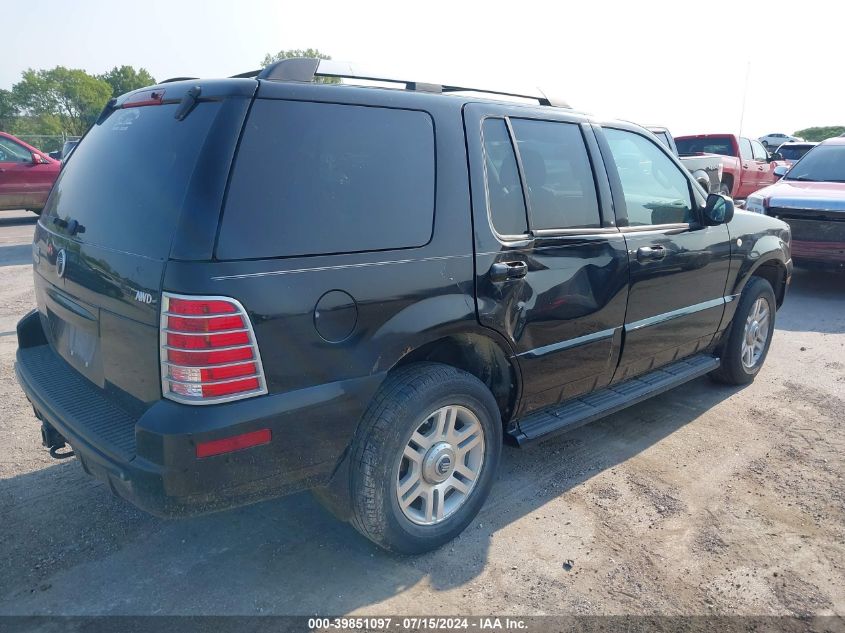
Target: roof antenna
(744, 97)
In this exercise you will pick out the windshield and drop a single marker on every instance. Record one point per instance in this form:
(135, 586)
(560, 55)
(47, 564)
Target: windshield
(794, 152)
(826, 163)
(710, 145)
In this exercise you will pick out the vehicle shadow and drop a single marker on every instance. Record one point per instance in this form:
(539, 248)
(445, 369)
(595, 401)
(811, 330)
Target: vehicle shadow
(815, 302)
(71, 548)
(15, 255)
(18, 220)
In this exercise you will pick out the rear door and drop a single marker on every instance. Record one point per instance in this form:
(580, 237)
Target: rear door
(103, 240)
(551, 268)
(678, 267)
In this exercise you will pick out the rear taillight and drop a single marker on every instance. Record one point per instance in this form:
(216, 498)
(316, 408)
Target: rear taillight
(208, 351)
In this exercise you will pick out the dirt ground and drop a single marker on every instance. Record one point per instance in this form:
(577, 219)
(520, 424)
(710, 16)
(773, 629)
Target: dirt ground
(705, 500)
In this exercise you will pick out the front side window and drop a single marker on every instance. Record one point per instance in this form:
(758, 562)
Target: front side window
(505, 200)
(759, 152)
(558, 175)
(655, 189)
(11, 152)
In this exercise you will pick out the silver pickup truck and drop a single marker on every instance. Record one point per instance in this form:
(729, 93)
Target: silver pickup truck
(707, 169)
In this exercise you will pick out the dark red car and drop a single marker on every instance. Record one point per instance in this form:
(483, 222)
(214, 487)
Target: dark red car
(26, 175)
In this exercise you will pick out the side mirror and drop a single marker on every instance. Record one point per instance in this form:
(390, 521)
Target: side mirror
(775, 156)
(718, 210)
(36, 159)
(781, 170)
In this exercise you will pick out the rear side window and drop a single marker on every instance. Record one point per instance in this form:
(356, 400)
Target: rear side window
(317, 178)
(745, 149)
(558, 175)
(505, 200)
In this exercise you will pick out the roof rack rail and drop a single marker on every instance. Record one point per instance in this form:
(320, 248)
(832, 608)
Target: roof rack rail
(306, 69)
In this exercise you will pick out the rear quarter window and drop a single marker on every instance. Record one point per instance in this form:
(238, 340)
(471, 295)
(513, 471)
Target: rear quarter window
(320, 178)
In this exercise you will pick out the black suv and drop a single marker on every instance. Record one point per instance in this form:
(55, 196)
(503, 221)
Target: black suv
(262, 284)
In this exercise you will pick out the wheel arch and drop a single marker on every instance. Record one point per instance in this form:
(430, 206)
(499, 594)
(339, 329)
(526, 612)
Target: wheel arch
(772, 269)
(702, 178)
(478, 354)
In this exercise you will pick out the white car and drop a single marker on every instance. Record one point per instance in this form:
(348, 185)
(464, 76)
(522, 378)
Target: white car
(776, 140)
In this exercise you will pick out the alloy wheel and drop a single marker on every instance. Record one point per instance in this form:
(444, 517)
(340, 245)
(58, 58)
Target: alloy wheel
(440, 465)
(756, 333)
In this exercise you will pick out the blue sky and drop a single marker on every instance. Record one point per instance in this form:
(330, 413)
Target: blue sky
(681, 63)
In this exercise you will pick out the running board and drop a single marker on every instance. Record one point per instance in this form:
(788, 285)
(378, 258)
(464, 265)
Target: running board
(585, 409)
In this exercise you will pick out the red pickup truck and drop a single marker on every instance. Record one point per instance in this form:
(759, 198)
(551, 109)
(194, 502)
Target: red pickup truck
(746, 165)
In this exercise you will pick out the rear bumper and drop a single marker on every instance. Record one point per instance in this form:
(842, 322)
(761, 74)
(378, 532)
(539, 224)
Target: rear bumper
(150, 458)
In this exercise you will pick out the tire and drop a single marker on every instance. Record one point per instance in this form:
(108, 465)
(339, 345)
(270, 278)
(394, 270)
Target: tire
(724, 189)
(405, 406)
(766, 144)
(736, 370)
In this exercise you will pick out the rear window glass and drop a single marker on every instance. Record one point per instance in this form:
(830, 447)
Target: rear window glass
(127, 179)
(711, 145)
(318, 178)
(793, 152)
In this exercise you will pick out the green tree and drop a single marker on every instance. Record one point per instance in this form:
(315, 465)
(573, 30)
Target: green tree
(297, 52)
(72, 96)
(124, 79)
(820, 133)
(8, 110)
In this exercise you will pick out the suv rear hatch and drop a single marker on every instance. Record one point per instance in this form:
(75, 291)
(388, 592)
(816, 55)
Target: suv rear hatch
(142, 186)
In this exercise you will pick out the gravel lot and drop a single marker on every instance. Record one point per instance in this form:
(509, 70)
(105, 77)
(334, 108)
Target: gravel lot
(704, 500)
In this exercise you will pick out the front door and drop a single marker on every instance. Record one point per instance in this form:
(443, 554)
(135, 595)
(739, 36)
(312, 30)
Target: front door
(23, 183)
(748, 171)
(678, 267)
(15, 161)
(551, 265)
(764, 174)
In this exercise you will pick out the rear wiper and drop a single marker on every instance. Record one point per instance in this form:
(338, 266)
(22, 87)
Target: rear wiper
(73, 227)
(187, 103)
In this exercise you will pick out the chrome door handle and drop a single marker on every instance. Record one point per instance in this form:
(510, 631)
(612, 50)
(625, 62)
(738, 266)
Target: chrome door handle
(650, 253)
(502, 271)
